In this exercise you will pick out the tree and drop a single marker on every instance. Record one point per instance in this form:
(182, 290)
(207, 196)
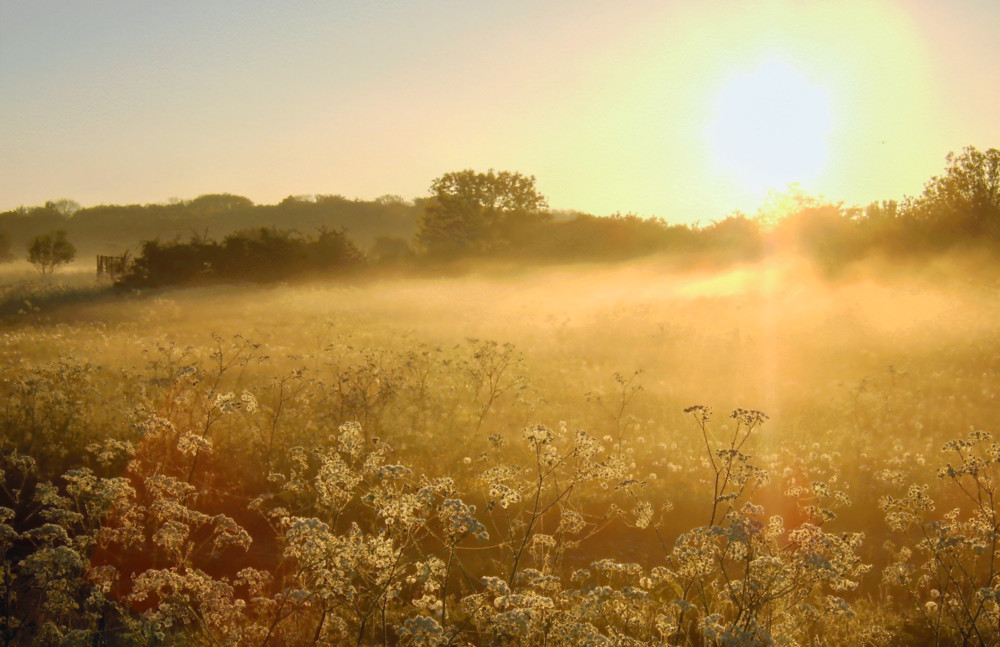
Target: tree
(881, 212)
(736, 237)
(212, 204)
(64, 207)
(391, 250)
(5, 254)
(965, 199)
(50, 250)
(478, 212)
(390, 198)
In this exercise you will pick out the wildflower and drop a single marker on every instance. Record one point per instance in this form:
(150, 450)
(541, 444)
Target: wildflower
(190, 444)
(538, 435)
(249, 402)
(503, 495)
(586, 445)
(570, 521)
(226, 402)
(393, 471)
(643, 514)
(460, 520)
(350, 439)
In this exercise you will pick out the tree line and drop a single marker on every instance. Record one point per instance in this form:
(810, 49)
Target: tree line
(109, 229)
(960, 207)
(502, 215)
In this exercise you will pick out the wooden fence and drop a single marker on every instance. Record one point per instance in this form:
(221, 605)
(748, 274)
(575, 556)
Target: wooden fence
(113, 267)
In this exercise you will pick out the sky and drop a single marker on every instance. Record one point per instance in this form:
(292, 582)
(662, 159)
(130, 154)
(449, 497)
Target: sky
(686, 110)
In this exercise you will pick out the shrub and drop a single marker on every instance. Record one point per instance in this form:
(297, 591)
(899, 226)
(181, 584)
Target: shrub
(49, 251)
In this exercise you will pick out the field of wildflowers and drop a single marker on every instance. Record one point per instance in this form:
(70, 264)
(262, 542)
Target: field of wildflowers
(574, 456)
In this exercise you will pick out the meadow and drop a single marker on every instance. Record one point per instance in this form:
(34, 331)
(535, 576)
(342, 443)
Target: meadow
(579, 454)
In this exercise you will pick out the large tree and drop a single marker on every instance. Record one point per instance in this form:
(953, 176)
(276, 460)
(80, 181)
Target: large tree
(966, 198)
(473, 212)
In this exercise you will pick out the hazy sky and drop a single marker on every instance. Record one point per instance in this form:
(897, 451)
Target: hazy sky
(612, 106)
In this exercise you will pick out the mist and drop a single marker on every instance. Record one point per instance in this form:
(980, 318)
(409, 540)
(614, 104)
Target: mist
(776, 335)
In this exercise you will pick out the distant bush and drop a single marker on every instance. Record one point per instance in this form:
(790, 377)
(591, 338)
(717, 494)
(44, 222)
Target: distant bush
(616, 237)
(828, 233)
(265, 254)
(736, 237)
(49, 251)
(5, 253)
(392, 251)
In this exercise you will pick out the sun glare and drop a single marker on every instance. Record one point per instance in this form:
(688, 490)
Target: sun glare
(769, 127)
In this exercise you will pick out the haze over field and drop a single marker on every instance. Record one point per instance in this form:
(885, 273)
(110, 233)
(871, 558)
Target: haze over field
(184, 422)
(776, 334)
(646, 324)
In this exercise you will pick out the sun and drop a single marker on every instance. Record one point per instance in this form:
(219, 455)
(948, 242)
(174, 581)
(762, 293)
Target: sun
(769, 127)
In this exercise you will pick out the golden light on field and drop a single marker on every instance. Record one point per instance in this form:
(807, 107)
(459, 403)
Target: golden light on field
(770, 127)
